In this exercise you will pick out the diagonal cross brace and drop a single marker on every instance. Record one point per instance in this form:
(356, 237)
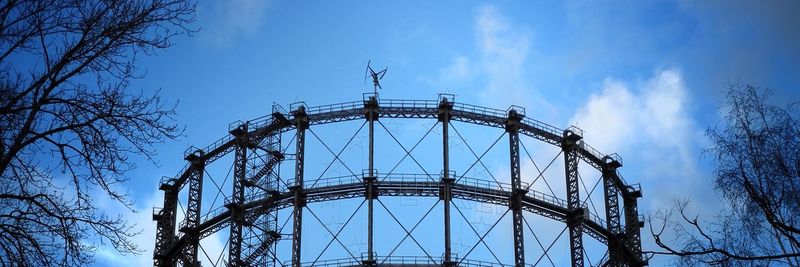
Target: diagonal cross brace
(331, 232)
(408, 233)
(407, 152)
(335, 155)
(335, 236)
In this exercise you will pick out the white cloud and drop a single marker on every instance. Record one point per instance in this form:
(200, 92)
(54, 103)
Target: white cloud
(504, 48)
(502, 51)
(608, 116)
(144, 223)
(650, 124)
(655, 115)
(460, 70)
(225, 21)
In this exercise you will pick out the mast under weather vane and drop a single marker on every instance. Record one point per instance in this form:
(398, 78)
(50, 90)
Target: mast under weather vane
(376, 76)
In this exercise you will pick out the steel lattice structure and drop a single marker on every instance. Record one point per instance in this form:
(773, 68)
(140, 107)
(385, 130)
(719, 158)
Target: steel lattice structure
(250, 213)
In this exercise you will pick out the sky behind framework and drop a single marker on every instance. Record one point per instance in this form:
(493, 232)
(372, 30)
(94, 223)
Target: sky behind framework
(641, 78)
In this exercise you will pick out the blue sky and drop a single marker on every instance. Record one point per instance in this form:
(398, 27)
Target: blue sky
(641, 78)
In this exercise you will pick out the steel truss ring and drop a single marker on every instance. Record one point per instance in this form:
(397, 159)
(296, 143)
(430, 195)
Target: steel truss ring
(624, 244)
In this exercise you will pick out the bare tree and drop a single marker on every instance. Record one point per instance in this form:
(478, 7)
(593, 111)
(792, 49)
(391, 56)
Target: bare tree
(757, 172)
(69, 127)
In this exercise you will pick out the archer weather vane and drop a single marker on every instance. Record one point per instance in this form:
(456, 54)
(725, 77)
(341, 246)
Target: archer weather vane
(376, 76)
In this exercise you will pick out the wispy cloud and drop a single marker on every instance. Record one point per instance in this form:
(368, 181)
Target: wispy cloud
(223, 22)
(459, 71)
(142, 218)
(144, 223)
(650, 123)
(502, 49)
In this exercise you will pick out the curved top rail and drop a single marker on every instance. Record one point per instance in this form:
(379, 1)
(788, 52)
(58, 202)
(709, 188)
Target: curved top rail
(466, 112)
(396, 108)
(408, 103)
(413, 108)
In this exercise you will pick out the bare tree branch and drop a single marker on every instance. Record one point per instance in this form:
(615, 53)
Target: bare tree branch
(63, 138)
(757, 156)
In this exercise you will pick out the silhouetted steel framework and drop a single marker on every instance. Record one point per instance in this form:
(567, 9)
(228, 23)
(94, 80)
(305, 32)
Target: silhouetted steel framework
(251, 214)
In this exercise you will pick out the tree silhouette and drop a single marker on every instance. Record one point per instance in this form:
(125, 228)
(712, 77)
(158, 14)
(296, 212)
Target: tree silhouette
(757, 173)
(69, 125)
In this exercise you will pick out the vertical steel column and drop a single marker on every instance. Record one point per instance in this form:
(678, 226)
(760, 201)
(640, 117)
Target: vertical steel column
(237, 197)
(301, 122)
(632, 224)
(193, 206)
(371, 110)
(273, 188)
(576, 211)
(515, 202)
(445, 107)
(165, 231)
(612, 211)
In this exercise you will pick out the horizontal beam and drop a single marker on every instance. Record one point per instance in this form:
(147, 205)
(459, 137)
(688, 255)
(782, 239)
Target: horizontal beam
(418, 109)
(533, 201)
